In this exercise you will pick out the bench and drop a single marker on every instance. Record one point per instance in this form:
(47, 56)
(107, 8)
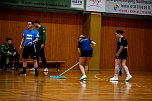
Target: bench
(57, 64)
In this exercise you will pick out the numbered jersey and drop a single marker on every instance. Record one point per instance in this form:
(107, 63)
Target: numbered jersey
(30, 36)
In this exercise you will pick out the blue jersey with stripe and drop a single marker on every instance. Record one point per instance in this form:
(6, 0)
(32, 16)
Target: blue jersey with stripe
(30, 36)
(84, 44)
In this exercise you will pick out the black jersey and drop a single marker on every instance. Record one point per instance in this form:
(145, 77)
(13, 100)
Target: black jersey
(122, 41)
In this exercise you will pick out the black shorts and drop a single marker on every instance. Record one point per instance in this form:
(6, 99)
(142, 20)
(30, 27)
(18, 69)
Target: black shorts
(123, 55)
(29, 51)
(88, 53)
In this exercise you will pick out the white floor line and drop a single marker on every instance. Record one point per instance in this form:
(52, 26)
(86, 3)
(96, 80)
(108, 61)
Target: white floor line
(96, 76)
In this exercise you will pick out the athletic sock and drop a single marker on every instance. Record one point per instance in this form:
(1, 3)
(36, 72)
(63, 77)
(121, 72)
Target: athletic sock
(128, 73)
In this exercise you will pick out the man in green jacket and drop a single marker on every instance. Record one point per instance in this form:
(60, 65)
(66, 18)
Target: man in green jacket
(40, 45)
(9, 54)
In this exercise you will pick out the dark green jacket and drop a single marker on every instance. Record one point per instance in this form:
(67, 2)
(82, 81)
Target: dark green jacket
(42, 35)
(5, 49)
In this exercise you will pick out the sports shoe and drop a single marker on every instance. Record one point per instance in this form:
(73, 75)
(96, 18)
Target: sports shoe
(13, 68)
(32, 69)
(128, 78)
(45, 70)
(114, 82)
(115, 78)
(83, 78)
(45, 73)
(22, 73)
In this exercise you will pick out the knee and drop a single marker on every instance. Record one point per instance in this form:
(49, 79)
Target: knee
(117, 64)
(81, 64)
(123, 64)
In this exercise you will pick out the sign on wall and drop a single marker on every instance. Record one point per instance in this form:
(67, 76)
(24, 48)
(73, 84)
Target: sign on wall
(95, 5)
(139, 7)
(79, 4)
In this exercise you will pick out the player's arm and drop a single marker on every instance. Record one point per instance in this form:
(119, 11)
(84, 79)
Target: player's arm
(14, 50)
(2, 50)
(22, 41)
(79, 48)
(43, 35)
(36, 40)
(121, 41)
(120, 50)
(93, 44)
(79, 51)
(36, 37)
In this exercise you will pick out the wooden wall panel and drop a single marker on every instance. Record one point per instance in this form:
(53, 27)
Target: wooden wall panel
(62, 32)
(138, 33)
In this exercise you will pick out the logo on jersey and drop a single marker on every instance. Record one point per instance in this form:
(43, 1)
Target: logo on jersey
(29, 37)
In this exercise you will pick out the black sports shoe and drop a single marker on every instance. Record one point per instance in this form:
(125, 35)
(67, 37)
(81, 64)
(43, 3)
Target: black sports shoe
(22, 73)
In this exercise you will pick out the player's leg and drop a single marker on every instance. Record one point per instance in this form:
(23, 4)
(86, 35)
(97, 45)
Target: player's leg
(17, 57)
(126, 69)
(23, 72)
(37, 52)
(25, 56)
(117, 63)
(81, 66)
(12, 62)
(35, 66)
(88, 55)
(33, 56)
(3, 62)
(87, 63)
(43, 59)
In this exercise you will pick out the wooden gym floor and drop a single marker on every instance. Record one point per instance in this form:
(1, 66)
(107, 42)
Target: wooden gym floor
(96, 88)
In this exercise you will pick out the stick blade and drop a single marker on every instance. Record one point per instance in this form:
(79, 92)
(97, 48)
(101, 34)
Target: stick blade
(58, 77)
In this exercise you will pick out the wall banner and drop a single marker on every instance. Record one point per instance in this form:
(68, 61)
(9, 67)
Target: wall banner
(58, 4)
(138, 7)
(95, 5)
